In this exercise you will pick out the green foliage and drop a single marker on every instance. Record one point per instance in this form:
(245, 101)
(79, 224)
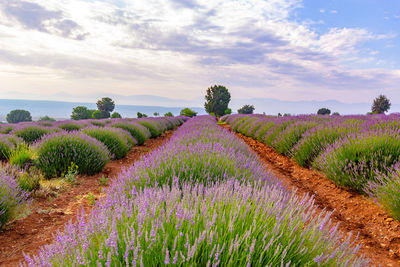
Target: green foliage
(141, 115)
(18, 115)
(246, 109)
(168, 114)
(103, 181)
(56, 152)
(71, 174)
(46, 118)
(324, 111)
(105, 105)
(289, 138)
(156, 114)
(81, 113)
(380, 105)
(31, 134)
(22, 156)
(137, 132)
(228, 111)
(6, 129)
(97, 115)
(335, 114)
(6, 148)
(116, 115)
(387, 192)
(217, 100)
(155, 132)
(29, 179)
(70, 127)
(188, 112)
(116, 143)
(356, 160)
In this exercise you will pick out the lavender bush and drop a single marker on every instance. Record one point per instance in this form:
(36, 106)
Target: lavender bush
(12, 197)
(56, 152)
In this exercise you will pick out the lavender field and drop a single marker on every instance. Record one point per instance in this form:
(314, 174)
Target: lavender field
(356, 152)
(202, 199)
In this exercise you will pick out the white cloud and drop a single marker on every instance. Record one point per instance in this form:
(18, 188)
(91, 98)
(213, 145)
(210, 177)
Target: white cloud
(177, 47)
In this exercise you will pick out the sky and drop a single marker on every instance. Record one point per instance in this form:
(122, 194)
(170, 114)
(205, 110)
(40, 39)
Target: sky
(79, 50)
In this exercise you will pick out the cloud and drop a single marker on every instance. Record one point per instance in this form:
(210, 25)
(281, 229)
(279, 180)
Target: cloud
(36, 17)
(255, 47)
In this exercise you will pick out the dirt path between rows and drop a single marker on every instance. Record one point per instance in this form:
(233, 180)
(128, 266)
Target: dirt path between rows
(379, 234)
(48, 215)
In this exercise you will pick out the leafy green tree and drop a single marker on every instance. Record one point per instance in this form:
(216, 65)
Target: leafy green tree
(116, 115)
(156, 114)
(141, 115)
(324, 111)
(380, 105)
(335, 114)
(217, 100)
(246, 109)
(188, 112)
(168, 114)
(97, 115)
(228, 111)
(18, 115)
(47, 118)
(81, 113)
(106, 105)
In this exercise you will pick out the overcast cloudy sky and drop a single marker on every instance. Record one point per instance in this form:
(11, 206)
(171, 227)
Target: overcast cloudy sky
(347, 50)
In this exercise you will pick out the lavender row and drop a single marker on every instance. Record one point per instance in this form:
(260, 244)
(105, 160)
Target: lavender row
(202, 199)
(357, 152)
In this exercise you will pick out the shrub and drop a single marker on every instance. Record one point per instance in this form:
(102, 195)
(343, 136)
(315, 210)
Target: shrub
(315, 141)
(21, 156)
(81, 113)
(292, 134)
(70, 126)
(6, 146)
(356, 160)
(18, 115)
(387, 191)
(154, 130)
(46, 118)
(168, 114)
(28, 178)
(12, 197)
(32, 133)
(139, 132)
(56, 152)
(188, 112)
(116, 115)
(112, 138)
(6, 129)
(97, 123)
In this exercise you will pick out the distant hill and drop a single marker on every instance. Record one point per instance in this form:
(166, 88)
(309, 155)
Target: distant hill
(63, 110)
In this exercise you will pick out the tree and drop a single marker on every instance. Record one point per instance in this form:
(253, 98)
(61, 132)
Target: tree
(116, 115)
(46, 118)
(156, 114)
(18, 115)
(188, 112)
(246, 109)
(106, 105)
(324, 111)
(217, 100)
(81, 113)
(97, 115)
(141, 115)
(228, 111)
(168, 114)
(381, 105)
(335, 114)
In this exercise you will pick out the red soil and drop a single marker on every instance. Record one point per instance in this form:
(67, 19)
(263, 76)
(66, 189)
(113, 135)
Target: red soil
(379, 234)
(47, 217)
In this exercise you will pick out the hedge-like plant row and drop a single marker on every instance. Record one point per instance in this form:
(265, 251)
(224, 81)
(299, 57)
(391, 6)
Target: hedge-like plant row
(358, 152)
(89, 145)
(202, 199)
